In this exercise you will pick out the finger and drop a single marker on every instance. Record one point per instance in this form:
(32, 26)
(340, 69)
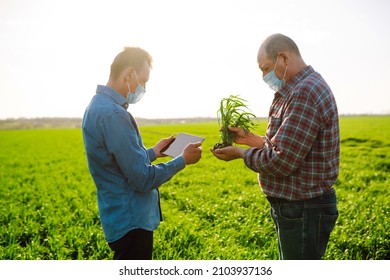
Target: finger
(234, 129)
(170, 139)
(214, 152)
(196, 145)
(217, 151)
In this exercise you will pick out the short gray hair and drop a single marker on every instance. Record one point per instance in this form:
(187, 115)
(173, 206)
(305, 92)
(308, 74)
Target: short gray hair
(277, 43)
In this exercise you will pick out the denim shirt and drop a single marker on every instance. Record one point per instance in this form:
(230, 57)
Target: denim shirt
(126, 180)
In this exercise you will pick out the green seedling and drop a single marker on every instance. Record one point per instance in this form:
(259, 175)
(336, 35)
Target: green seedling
(233, 112)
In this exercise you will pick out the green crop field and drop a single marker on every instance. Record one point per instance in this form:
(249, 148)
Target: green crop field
(212, 210)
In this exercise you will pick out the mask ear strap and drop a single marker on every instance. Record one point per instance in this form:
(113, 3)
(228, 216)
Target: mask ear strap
(128, 86)
(136, 76)
(285, 71)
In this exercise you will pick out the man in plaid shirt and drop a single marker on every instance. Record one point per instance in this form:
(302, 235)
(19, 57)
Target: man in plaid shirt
(298, 158)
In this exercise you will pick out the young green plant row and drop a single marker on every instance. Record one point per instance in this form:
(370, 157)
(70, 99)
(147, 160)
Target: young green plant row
(212, 210)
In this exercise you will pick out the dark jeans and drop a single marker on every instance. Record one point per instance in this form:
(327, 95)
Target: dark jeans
(303, 227)
(137, 244)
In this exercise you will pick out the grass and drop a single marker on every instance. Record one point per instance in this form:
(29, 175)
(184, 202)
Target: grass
(49, 210)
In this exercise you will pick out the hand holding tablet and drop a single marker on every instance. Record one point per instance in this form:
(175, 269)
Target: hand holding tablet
(176, 147)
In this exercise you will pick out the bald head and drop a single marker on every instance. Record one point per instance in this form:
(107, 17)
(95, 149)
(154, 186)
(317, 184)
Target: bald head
(289, 62)
(277, 43)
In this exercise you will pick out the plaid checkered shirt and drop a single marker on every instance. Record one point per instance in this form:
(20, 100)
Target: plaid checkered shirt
(301, 156)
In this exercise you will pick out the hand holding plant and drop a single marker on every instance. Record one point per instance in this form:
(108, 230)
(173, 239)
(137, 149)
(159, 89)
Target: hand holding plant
(233, 117)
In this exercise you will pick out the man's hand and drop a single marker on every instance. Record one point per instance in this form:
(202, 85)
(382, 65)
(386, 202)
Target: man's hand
(161, 145)
(229, 153)
(243, 137)
(192, 153)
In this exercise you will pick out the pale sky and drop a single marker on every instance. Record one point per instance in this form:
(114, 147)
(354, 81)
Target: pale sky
(54, 53)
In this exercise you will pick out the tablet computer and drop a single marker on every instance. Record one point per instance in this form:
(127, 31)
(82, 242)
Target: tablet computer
(175, 148)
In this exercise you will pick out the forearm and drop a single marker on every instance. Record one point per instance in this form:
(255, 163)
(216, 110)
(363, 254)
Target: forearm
(278, 157)
(143, 176)
(240, 152)
(257, 141)
(151, 154)
(252, 140)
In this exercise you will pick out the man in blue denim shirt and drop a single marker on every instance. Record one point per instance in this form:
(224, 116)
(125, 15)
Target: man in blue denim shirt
(126, 180)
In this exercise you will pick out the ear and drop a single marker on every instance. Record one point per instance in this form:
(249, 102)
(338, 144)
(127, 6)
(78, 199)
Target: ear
(284, 57)
(127, 73)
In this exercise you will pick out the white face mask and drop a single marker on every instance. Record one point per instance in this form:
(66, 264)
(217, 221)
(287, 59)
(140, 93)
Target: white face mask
(134, 97)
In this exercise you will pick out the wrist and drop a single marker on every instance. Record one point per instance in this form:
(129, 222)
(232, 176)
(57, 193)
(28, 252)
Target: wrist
(156, 152)
(242, 151)
(264, 140)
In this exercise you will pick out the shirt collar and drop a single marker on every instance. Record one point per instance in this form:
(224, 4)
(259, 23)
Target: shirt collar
(287, 88)
(119, 99)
